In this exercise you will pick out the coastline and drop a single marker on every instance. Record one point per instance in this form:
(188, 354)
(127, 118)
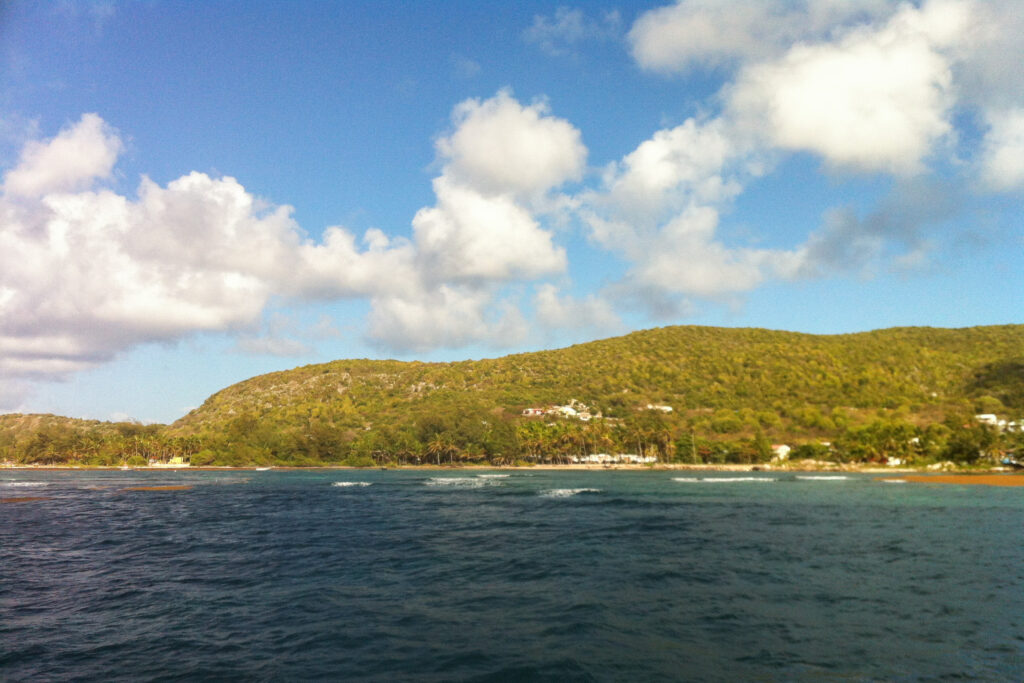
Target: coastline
(801, 466)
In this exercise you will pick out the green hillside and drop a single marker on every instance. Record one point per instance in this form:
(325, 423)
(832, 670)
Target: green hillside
(906, 392)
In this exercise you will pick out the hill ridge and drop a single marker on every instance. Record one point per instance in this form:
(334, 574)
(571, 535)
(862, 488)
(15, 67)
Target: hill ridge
(731, 388)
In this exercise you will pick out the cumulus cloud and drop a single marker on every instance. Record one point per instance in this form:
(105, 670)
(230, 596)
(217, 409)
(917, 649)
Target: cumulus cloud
(659, 209)
(1002, 162)
(694, 33)
(867, 87)
(876, 100)
(86, 273)
(499, 146)
(469, 235)
(502, 162)
(674, 168)
(74, 159)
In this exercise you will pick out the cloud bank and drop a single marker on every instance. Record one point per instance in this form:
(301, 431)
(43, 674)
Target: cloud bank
(86, 272)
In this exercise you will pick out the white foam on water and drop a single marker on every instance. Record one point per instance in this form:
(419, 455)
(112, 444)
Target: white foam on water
(26, 483)
(351, 483)
(733, 480)
(823, 478)
(689, 479)
(492, 476)
(457, 482)
(893, 481)
(565, 493)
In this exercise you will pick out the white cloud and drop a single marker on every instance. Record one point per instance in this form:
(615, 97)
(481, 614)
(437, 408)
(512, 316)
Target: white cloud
(714, 32)
(449, 316)
(671, 170)
(473, 236)
(992, 51)
(560, 34)
(556, 311)
(1003, 150)
(79, 155)
(875, 100)
(686, 258)
(659, 209)
(502, 147)
(502, 162)
(86, 273)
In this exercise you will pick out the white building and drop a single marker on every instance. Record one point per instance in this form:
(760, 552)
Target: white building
(613, 459)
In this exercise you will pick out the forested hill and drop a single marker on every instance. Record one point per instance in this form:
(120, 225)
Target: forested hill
(724, 386)
(920, 370)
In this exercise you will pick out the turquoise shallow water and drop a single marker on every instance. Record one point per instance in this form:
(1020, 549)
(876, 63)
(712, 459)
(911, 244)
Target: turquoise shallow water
(522, 576)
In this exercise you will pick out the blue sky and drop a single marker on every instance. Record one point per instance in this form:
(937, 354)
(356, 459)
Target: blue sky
(195, 193)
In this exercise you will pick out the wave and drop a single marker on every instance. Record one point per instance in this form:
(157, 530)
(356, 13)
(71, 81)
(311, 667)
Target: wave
(351, 483)
(823, 478)
(492, 476)
(565, 493)
(723, 480)
(893, 481)
(458, 482)
(26, 483)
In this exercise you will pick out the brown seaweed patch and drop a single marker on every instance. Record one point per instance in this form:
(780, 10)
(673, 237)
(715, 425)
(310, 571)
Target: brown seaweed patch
(157, 488)
(24, 499)
(968, 479)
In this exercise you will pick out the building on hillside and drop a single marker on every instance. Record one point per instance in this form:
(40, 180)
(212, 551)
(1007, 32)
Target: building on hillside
(573, 410)
(1001, 424)
(613, 459)
(176, 461)
(780, 451)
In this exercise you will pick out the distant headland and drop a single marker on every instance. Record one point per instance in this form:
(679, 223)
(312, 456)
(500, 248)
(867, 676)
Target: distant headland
(901, 398)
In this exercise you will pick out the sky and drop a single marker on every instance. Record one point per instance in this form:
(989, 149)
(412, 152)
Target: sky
(196, 193)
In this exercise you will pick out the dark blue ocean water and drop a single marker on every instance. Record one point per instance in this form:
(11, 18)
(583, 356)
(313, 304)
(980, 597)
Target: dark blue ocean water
(604, 576)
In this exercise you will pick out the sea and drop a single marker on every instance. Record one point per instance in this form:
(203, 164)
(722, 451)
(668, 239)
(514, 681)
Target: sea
(519, 575)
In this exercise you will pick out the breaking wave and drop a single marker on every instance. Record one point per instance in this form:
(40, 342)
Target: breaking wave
(458, 482)
(565, 493)
(823, 477)
(724, 480)
(351, 483)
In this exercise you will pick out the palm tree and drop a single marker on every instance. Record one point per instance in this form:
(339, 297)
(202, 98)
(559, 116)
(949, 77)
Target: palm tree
(441, 446)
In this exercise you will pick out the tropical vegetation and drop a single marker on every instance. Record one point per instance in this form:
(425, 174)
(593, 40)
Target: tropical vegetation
(906, 393)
